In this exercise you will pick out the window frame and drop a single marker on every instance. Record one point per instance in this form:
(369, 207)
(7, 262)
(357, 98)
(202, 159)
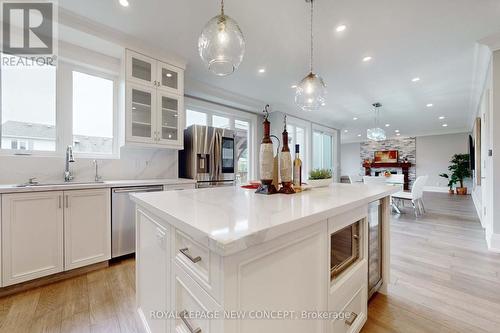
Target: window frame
(334, 134)
(68, 137)
(306, 153)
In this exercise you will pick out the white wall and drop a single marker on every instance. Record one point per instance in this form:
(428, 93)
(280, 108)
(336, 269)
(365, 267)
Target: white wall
(434, 154)
(350, 161)
(134, 163)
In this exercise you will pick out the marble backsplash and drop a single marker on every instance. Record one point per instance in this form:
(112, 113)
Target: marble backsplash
(134, 163)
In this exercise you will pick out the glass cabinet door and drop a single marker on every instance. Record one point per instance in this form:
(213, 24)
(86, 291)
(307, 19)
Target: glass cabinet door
(170, 117)
(140, 111)
(141, 69)
(170, 78)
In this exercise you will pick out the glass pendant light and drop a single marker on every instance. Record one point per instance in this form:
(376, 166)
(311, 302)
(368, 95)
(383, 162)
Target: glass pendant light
(221, 44)
(376, 133)
(310, 94)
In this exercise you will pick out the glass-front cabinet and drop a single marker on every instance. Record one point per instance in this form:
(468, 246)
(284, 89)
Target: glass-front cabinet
(155, 102)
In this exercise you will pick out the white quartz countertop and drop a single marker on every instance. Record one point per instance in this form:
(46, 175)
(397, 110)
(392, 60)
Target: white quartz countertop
(230, 219)
(77, 185)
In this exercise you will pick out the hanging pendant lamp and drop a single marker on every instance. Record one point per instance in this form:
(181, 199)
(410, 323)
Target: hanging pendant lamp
(310, 94)
(221, 44)
(376, 133)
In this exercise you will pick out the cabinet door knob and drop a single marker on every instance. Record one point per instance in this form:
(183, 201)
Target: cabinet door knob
(185, 251)
(186, 322)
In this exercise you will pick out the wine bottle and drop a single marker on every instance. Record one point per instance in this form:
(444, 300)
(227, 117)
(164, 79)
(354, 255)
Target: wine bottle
(286, 165)
(297, 170)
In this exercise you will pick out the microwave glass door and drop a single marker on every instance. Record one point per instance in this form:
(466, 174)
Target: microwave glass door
(227, 155)
(344, 249)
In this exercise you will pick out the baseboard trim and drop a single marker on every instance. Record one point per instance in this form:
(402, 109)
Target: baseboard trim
(439, 189)
(493, 241)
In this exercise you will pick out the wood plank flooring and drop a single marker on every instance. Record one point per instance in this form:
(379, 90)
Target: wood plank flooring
(443, 277)
(444, 280)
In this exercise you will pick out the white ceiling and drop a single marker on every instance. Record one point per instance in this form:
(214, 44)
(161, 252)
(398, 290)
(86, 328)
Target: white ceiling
(429, 39)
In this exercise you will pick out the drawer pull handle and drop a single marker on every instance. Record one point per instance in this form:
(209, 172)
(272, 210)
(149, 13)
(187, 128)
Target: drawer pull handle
(351, 319)
(186, 322)
(185, 251)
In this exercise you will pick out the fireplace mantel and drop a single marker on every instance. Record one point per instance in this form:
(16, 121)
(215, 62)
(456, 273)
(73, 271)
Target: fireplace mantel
(404, 166)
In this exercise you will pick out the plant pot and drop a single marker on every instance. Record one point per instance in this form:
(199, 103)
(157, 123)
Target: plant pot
(461, 190)
(452, 191)
(320, 182)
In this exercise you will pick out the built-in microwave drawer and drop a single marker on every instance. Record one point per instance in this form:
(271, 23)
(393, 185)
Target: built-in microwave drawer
(193, 306)
(352, 317)
(199, 263)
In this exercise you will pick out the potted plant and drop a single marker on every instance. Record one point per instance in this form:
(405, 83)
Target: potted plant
(320, 177)
(460, 170)
(451, 182)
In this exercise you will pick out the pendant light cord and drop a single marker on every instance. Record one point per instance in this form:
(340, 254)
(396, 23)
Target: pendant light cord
(312, 35)
(222, 7)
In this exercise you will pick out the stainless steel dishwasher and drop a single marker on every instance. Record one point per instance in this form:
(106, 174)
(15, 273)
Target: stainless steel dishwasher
(123, 218)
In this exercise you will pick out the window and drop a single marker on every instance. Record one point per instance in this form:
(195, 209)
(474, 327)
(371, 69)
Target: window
(93, 112)
(297, 136)
(195, 118)
(220, 122)
(242, 132)
(322, 151)
(28, 108)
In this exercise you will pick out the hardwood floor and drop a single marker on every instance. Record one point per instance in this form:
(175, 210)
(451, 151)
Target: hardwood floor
(443, 277)
(100, 301)
(444, 280)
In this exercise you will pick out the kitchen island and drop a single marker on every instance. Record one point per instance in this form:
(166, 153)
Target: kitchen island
(227, 260)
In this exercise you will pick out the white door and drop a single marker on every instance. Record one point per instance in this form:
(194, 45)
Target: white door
(141, 69)
(152, 270)
(170, 119)
(170, 78)
(32, 236)
(87, 227)
(141, 113)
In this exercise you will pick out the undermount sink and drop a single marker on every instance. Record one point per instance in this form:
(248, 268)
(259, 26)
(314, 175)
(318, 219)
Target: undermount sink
(59, 184)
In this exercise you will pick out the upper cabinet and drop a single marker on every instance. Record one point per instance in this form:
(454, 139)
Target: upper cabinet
(154, 102)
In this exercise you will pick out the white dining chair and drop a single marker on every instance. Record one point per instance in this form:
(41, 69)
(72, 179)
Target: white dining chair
(415, 196)
(355, 179)
(374, 180)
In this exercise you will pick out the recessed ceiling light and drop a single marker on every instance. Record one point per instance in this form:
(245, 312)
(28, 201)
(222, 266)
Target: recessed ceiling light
(341, 28)
(262, 70)
(430, 105)
(387, 125)
(359, 135)
(124, 3)
(397, 131)
(445, 125)
(415, 79)
(345, 131)
(294, 86)
(366, 59)
(355, 118)
(398, 134)
(442, 117)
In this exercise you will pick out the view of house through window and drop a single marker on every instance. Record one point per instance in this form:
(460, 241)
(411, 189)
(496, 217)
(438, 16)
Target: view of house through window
(28, 122)
(92, 99)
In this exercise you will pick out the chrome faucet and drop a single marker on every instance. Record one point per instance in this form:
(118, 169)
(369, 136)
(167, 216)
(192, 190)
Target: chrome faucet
(68, 176)
(97, 177)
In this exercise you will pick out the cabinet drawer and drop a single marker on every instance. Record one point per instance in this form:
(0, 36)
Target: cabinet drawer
(356, 311)
(199, 263)
(192, 304)
(178, 187)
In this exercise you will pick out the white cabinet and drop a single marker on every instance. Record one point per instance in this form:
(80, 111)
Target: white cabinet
(49, 232)
(32, 236)
(153, 270)
(154, 102)
(87, 230)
